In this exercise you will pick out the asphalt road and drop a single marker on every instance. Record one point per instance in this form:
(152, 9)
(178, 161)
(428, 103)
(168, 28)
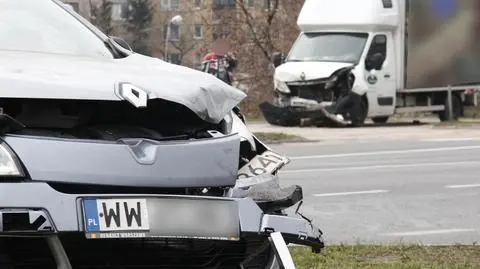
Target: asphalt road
(392, 191)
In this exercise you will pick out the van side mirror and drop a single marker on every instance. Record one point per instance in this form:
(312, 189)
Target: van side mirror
(278, 59)
(374, 61)
(120, 41)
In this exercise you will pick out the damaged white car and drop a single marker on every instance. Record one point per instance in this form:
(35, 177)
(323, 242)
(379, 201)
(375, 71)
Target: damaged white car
(110, 159)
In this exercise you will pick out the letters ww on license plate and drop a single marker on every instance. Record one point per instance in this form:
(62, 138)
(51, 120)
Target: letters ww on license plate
(267, 162)
(127, 217)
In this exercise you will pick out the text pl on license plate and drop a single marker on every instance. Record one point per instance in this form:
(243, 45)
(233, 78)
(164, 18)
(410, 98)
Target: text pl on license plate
(107, 215)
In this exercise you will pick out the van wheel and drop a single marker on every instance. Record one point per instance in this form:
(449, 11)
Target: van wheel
(457, 108)
(380, 120)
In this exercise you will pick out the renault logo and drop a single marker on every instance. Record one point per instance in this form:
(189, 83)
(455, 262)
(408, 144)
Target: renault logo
(302, 76)
(372, 79)
(133, 94)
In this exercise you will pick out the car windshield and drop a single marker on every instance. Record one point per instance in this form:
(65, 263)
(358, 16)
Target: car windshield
(43, 26)
(328, 47)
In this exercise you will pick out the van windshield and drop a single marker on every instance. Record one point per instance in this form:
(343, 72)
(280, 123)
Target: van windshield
(43, 26)
(328, 47)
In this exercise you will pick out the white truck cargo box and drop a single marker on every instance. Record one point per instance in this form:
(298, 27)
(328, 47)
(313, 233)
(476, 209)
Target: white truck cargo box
(347, 15)
(358, 59)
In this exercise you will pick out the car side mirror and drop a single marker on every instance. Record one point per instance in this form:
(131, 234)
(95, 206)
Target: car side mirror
(120, 41)
(374, 61)
(278, 59)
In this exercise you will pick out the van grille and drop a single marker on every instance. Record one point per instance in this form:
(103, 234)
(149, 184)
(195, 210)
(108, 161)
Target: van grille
(315, 92)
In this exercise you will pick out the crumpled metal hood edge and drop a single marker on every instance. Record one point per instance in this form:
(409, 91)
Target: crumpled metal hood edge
(37, 75)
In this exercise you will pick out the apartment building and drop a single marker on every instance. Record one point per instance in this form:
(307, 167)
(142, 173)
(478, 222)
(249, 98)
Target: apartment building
(206, 25)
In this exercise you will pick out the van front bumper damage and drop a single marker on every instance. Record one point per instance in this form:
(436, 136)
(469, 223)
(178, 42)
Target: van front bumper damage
(230, 226)
(292, 115)
(316, 115)
(312, 113)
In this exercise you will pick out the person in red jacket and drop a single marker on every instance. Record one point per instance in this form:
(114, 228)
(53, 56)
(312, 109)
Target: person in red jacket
(210, 56)
(220, 66)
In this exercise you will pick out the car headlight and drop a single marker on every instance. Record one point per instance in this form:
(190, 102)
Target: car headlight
(228, 123)
(281, 86)
(9, 164)
(233, 124)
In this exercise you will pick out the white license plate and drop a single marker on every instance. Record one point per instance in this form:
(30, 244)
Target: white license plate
(116, 215)
(268, 162)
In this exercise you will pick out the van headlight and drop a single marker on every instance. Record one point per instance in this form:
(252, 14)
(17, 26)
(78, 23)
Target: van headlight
(281, 86)
(331, 82)
(9, 164)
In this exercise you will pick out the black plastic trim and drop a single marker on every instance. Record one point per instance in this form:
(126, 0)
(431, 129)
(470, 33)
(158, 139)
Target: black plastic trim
(385, 101)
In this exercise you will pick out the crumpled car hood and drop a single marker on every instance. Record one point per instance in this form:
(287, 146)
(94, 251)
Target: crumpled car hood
(36, 75)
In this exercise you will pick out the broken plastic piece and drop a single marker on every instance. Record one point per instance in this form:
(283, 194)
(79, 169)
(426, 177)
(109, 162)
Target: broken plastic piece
(265, 190)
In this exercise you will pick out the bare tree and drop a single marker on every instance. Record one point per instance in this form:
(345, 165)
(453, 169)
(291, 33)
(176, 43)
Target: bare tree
(257, 33)
(101, 16)
(139, 16)
(185, 39)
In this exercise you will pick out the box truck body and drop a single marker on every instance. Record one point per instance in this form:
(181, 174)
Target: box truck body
(430, 50)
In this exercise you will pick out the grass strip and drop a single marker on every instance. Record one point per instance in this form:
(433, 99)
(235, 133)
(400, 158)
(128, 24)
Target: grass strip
(388, 257)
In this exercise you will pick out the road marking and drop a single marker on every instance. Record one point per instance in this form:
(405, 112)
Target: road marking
(463, 186)
(316, 170)
(349, 193)
(430, 232)
(386, 152)
(451, 139)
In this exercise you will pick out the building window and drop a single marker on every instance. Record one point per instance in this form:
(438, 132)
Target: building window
(270, 4)
(174, 58)
(219, 4)
(197, 3)
(198, 31)
(117, 11)
(249, 3)
(171, 4)
(174, 32)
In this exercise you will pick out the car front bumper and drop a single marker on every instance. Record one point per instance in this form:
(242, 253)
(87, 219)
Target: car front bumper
(52, 214)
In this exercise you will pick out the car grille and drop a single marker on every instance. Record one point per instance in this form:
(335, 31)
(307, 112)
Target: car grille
(315, 92)
(70, 188)
(29, 253)
(25, 253)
